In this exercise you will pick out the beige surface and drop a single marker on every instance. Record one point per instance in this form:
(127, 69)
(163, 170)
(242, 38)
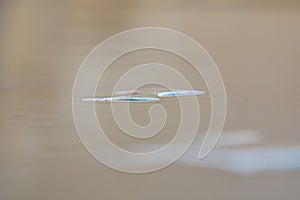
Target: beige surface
(256, 46)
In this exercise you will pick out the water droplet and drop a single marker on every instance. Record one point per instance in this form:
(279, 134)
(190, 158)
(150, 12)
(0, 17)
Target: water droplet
(120, 99)
(180, 93)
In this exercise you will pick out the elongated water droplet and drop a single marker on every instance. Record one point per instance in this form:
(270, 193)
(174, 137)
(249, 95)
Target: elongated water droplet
(120, 99)
(180, 93)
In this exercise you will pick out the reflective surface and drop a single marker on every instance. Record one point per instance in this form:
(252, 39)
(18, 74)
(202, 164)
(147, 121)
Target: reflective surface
(256, 46)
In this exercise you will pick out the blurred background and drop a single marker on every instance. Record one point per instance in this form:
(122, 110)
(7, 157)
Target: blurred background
(256, 46)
